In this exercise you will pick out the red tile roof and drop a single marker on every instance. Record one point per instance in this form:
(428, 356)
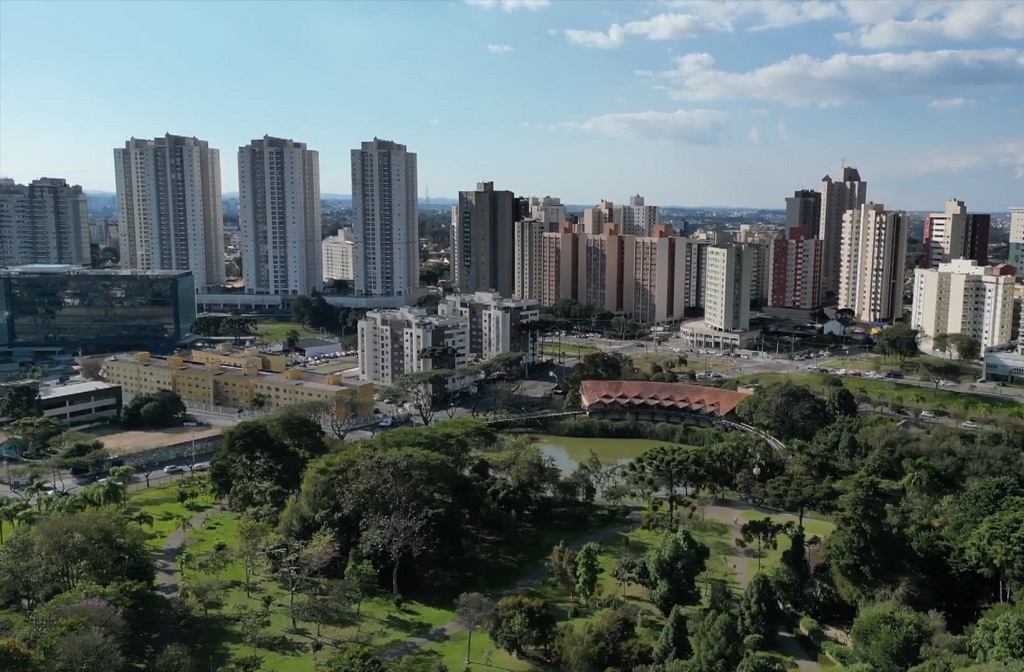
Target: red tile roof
(677, 396)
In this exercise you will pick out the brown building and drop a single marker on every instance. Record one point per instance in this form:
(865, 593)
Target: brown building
(795, 271)
(659, 402)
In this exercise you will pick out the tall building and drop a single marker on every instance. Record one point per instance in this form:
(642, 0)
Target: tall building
(758, 242)
(803, 211)
(169, 211)
(393, 343)
(338, 255)
(496, 325)
(727, 289)
(795, 277)
(483, 231)
(873, 259)
(955, 234)
(387, 234)
(279, 215)
(529, 253)
(547, 209)
(45, 222)
(637, 219)
(595, 219)
(1017, 241)
(961, 297)
(837, 198)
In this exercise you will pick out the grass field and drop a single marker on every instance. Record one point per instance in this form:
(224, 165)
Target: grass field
(568, 349)
(275, 332)
(916, 368)
(772, 557)
(694, 362)
(162, 503)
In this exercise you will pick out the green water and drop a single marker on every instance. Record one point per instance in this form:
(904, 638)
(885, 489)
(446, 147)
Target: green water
(568, 451)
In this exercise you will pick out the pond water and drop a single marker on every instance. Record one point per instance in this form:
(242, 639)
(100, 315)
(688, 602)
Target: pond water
(568, 451)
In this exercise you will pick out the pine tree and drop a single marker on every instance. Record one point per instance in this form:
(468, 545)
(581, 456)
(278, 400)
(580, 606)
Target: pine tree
(674, 641)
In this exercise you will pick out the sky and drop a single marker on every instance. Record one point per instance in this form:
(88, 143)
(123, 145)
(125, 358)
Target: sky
(687, 102)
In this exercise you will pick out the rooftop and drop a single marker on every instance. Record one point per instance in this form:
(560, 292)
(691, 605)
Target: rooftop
(73, 388)
(674, 396)
(71, 269)
(313, 342)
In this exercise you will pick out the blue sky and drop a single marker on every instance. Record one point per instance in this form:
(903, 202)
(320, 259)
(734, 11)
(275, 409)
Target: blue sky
(686, 102)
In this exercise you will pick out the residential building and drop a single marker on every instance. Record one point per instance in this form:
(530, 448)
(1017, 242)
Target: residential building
(94, 310)
(387, 238)
(548, 210)
(655, 270)
(528, 243)
(45, 222)
(955, 234)
(75, 403)
(727, 288)
(560, 265)
(873, 258)
(496, 325)
(758, 242)
(393, 343)
(597, 218)
(1017, 240)
(803, 211)
(602, 280)
(795, 278)
(338, 254)
(241, 358)
(215, 383)
(279, 214)
(483, 231)
(849, 193)
(961, 297)
(169, 211)
(637, 219)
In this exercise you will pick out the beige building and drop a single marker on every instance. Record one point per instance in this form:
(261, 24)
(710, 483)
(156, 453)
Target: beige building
(45, 222)
(218, 381)
(873, 258)
(529, 254)
(758, 241)
(961, 297)
(837, 198)
(955, 234)
(393, 343)
(483, 231)
(727, 288)
(241, 358)
(597, 218)
(560, 265)
(1017, 239)
(338, 254)
(496, 325)
(547, 209)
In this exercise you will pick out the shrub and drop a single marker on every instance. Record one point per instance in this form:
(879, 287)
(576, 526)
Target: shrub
(811, 628)
(840, 654)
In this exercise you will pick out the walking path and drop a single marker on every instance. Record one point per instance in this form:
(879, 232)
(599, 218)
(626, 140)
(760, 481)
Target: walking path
(167, 575)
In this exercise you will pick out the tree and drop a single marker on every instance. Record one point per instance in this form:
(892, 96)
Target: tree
(301, 562)
(888, 637)
(472, 611)
(520, 624)
(422, 390)
(898, 342)
(292, 338)
(562, 567)
(355, 659)
(759, 609)
(398, 535)
(16, 657)
(757, 662)
(717, 645)
(673, 568)
(841, 402)
(667, 469)
(966, 347)
(999, 636)
(360, 580)
(587, 570)
(21, 401)
(941, 343)
(786, 411)
(797, 489)
(674, 640)
(598, 366)
(153, 411)
(253, 537)
(763, 533)
(259, 401)
(35, 433)
(994, 546)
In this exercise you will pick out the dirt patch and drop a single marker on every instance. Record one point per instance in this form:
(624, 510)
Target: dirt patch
(124, 442)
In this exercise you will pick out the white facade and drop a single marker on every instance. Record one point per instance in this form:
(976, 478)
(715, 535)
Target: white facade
(1017, 239)
(547, 209)
(636, 219)
(727, 288)
(169, 211)
(392, 343)
(963, 298)
(387, 239)
(338, 254)
(279, 215)
(872, 262)
(496, 325)
(529, 258)
(45, 222)
(948, 235)
(837, 198)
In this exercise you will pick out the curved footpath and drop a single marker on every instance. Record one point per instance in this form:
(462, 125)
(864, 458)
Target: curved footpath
(723, 514)
(167, 576)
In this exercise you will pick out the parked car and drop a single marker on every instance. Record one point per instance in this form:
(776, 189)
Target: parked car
(173, 469)
(969, 424)
(201, 466)
(386, 422)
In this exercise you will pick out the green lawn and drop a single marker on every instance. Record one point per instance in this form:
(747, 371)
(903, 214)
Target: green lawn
(772, 557)
(568, 349)
(694, 362)
(916, 367)
(275, 332)
(162, 503)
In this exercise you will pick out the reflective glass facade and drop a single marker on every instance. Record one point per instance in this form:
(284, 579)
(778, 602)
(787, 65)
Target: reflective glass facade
(96, 310)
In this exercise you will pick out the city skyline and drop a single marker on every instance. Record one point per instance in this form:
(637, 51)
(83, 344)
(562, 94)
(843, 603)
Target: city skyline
(689, 103)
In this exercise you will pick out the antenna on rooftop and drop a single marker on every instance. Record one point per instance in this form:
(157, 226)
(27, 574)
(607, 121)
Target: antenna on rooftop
(428, 196)
(844, 162)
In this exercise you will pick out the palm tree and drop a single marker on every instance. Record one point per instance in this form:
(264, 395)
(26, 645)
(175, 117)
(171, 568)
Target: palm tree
(36, 489)
(143, 518)
(8, 514)
(184, 523)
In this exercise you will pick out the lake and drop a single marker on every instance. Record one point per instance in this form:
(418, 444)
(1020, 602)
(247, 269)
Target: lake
(569, 451)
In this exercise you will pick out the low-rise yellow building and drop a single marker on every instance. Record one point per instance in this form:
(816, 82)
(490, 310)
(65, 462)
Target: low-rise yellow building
(229, 355)
(214, 382)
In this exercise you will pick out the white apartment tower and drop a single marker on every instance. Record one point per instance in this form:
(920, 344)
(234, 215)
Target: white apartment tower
(547, 209)
(169, 212)
(727, 288)
(279, 215)
(338, 255)
(393, 343)
(45, 222)
(387, 239)
(529, 258)
(836, 199)
(961, 297)
(1017, 241)
(637, 219)
(873, 258)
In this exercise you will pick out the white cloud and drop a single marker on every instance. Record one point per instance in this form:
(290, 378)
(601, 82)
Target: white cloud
(500, 48)
(1007, 155)
(761, 15)
(783, 131)
(845, 78)
(435, 122)
(552, 32)
(510, 5)
(887, 25)
(695, 127)
(948, 103)
(755, 135)
(659, 28)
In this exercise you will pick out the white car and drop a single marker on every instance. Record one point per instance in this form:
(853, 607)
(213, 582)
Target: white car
(201, 466)
(386, 422)
(927, 414)
(971, 425)
(173, 469)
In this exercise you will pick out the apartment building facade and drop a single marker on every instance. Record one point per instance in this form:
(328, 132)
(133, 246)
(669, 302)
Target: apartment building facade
(496, 325)
(482, 232)
(873, 259)
(393, 343)
(45, 222)
(528, 243)
(169, 209)
(727, 289)
(955, 234)
(796, 271)
(547, 209)
(803, 211)
(837, 198)
(962, 297)
(338, 255)
(279, 214)
(1017, 240)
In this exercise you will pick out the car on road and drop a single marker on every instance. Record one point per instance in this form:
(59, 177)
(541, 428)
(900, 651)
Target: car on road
(386, 422)
(927, 414)
(201, 466)
(173, 469)
(894, 374)
(969, 424)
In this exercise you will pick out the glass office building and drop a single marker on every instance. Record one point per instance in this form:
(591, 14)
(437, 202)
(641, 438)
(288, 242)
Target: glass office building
(70, 307)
